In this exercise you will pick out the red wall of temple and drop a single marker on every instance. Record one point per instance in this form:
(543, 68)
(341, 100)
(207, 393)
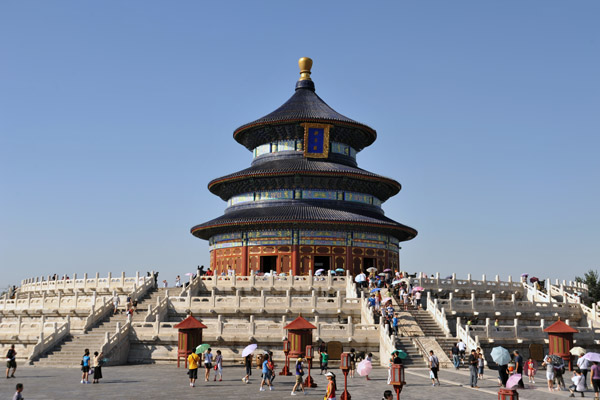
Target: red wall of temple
(302, 256)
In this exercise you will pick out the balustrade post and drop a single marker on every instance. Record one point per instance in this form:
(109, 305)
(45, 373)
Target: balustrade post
(251, 326)
(189, 299)
(123, 279)
(219, 325)
(263, 301)
(76, 298)
(213, 297)
(310, 279)
(568, 322)
(314, 298)
(339, 299)
(516, 327)
(453, 276)
(483, 278)
(513, 299)
(28, 300)
(487, 327)
(510, 279)
(19, 325)
(157, 325)
(97, 279)
(350, 328)
(137, 276)
(149, 312)
(469, 278)
(542, 323)
(318, 325)
(108, 280)
(494, 300)
(85, 280)
(437, 279)
(497, 278)
(473, 301)
(44, 300)
(237, 300)
(288, 299)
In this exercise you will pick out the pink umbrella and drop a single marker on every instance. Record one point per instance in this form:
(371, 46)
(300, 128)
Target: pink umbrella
(364, 367)
(385, 300)
(189, 274)
(513, 381)
(418, 289)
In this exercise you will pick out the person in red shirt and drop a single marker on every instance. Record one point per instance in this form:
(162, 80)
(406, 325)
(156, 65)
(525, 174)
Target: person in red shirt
(331, 386)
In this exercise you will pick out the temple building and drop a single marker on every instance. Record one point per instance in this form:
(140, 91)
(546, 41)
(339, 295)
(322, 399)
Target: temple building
(303, 204)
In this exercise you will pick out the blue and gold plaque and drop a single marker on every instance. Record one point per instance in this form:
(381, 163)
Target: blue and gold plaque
(316, 140)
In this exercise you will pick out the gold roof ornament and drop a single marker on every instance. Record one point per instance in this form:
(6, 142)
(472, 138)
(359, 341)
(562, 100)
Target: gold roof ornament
(305, 65)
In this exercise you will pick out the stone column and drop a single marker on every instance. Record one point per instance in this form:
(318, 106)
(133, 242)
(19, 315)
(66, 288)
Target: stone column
(245, 258)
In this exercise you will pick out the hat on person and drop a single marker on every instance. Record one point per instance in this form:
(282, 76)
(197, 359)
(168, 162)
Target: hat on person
(330, 374)
(300, 359)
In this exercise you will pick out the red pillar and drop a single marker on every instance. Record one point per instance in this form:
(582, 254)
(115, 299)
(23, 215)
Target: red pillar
(245, 271)
(295, 260)
(349, 263)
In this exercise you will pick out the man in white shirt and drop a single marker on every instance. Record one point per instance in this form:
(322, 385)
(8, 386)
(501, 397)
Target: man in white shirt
(462, 348)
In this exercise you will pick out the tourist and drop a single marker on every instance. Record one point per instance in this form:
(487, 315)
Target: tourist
(266, 374)
(395, 322)
(531, 370)
(559, 371)
(577, 385)
(462, 348)
(322, 347)
(331, 386)
(85, 366)
(454, 353)
(128, 302)
(248, 365)
(193, 361)
(497, 325)
(434, 367)
(11, 361)
(352, 362)
(299, 375)
(369, 359)
(208, 358)
(178, 281)
(519, 368)
(115, 301)
(503, 374)
(165, 284)
(418, 295)
(473, 361)
(18, 395)
(584, 365)
(549, 372)
(480, 364)
(324, 361)
(219, 366)
(134, 305)
(97, 365)
(272, 366)
(595, 379)
(388, 395)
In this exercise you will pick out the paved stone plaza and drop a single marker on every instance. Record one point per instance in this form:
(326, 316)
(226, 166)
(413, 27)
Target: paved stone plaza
(166, 381)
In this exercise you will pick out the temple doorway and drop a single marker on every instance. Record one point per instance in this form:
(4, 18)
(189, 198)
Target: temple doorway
(268, 263)
(368, 263)
(322, 262)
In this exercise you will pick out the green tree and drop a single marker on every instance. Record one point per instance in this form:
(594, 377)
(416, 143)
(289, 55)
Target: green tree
(592, 280)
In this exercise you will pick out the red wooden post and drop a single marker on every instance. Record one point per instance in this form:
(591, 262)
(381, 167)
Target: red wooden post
(345, 367)
(309, 382)
(286, 350)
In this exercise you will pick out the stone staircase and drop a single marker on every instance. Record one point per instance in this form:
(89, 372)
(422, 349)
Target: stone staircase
(414, 359)
(70, 352)
(431, 329)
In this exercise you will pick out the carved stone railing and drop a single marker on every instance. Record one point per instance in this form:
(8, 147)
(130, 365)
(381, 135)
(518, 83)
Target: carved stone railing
(438, 314)
(112, 343)
(453, 283)
(110, 283)
(48, 341)
(536, 295)
(260, 330)
(98, 313)
(301, 283)
(465, 335)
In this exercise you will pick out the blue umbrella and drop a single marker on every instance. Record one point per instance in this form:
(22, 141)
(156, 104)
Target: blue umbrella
(375, 290)
(500, 355)
(396, 282)
(340, 270)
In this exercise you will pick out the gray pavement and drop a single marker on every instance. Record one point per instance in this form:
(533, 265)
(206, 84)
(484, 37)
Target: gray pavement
(168, 382)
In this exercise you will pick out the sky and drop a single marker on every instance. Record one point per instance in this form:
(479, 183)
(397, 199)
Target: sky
(115, 115)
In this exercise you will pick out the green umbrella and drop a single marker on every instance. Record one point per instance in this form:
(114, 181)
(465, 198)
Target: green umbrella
(202, 348)
(401, 353)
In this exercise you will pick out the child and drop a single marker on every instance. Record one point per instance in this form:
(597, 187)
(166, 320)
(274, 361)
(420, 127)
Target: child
(331, 386)
(324, 360)
(85, 366)
(578, 383)
(219, 366)
(299, 376)
(266, 378)
(369, 359)
(531, 370)
(480, 364)
(18, 395)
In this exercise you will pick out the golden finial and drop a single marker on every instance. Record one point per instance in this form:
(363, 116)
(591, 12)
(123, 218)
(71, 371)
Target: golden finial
(305, 65)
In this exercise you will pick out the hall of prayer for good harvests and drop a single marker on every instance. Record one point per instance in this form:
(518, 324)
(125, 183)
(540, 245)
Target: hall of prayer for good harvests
(303, 204)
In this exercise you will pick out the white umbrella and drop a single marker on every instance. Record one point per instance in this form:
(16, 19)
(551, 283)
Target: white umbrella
(372, 269)
(249, 349)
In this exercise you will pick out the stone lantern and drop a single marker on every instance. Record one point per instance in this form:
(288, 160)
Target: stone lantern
(560, 339)
(190, 337)
(299, 336)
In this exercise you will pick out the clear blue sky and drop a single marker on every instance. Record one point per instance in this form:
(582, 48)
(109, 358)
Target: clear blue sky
(115, 115)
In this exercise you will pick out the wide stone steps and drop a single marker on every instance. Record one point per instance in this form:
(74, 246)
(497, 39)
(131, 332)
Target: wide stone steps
(414, 359)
